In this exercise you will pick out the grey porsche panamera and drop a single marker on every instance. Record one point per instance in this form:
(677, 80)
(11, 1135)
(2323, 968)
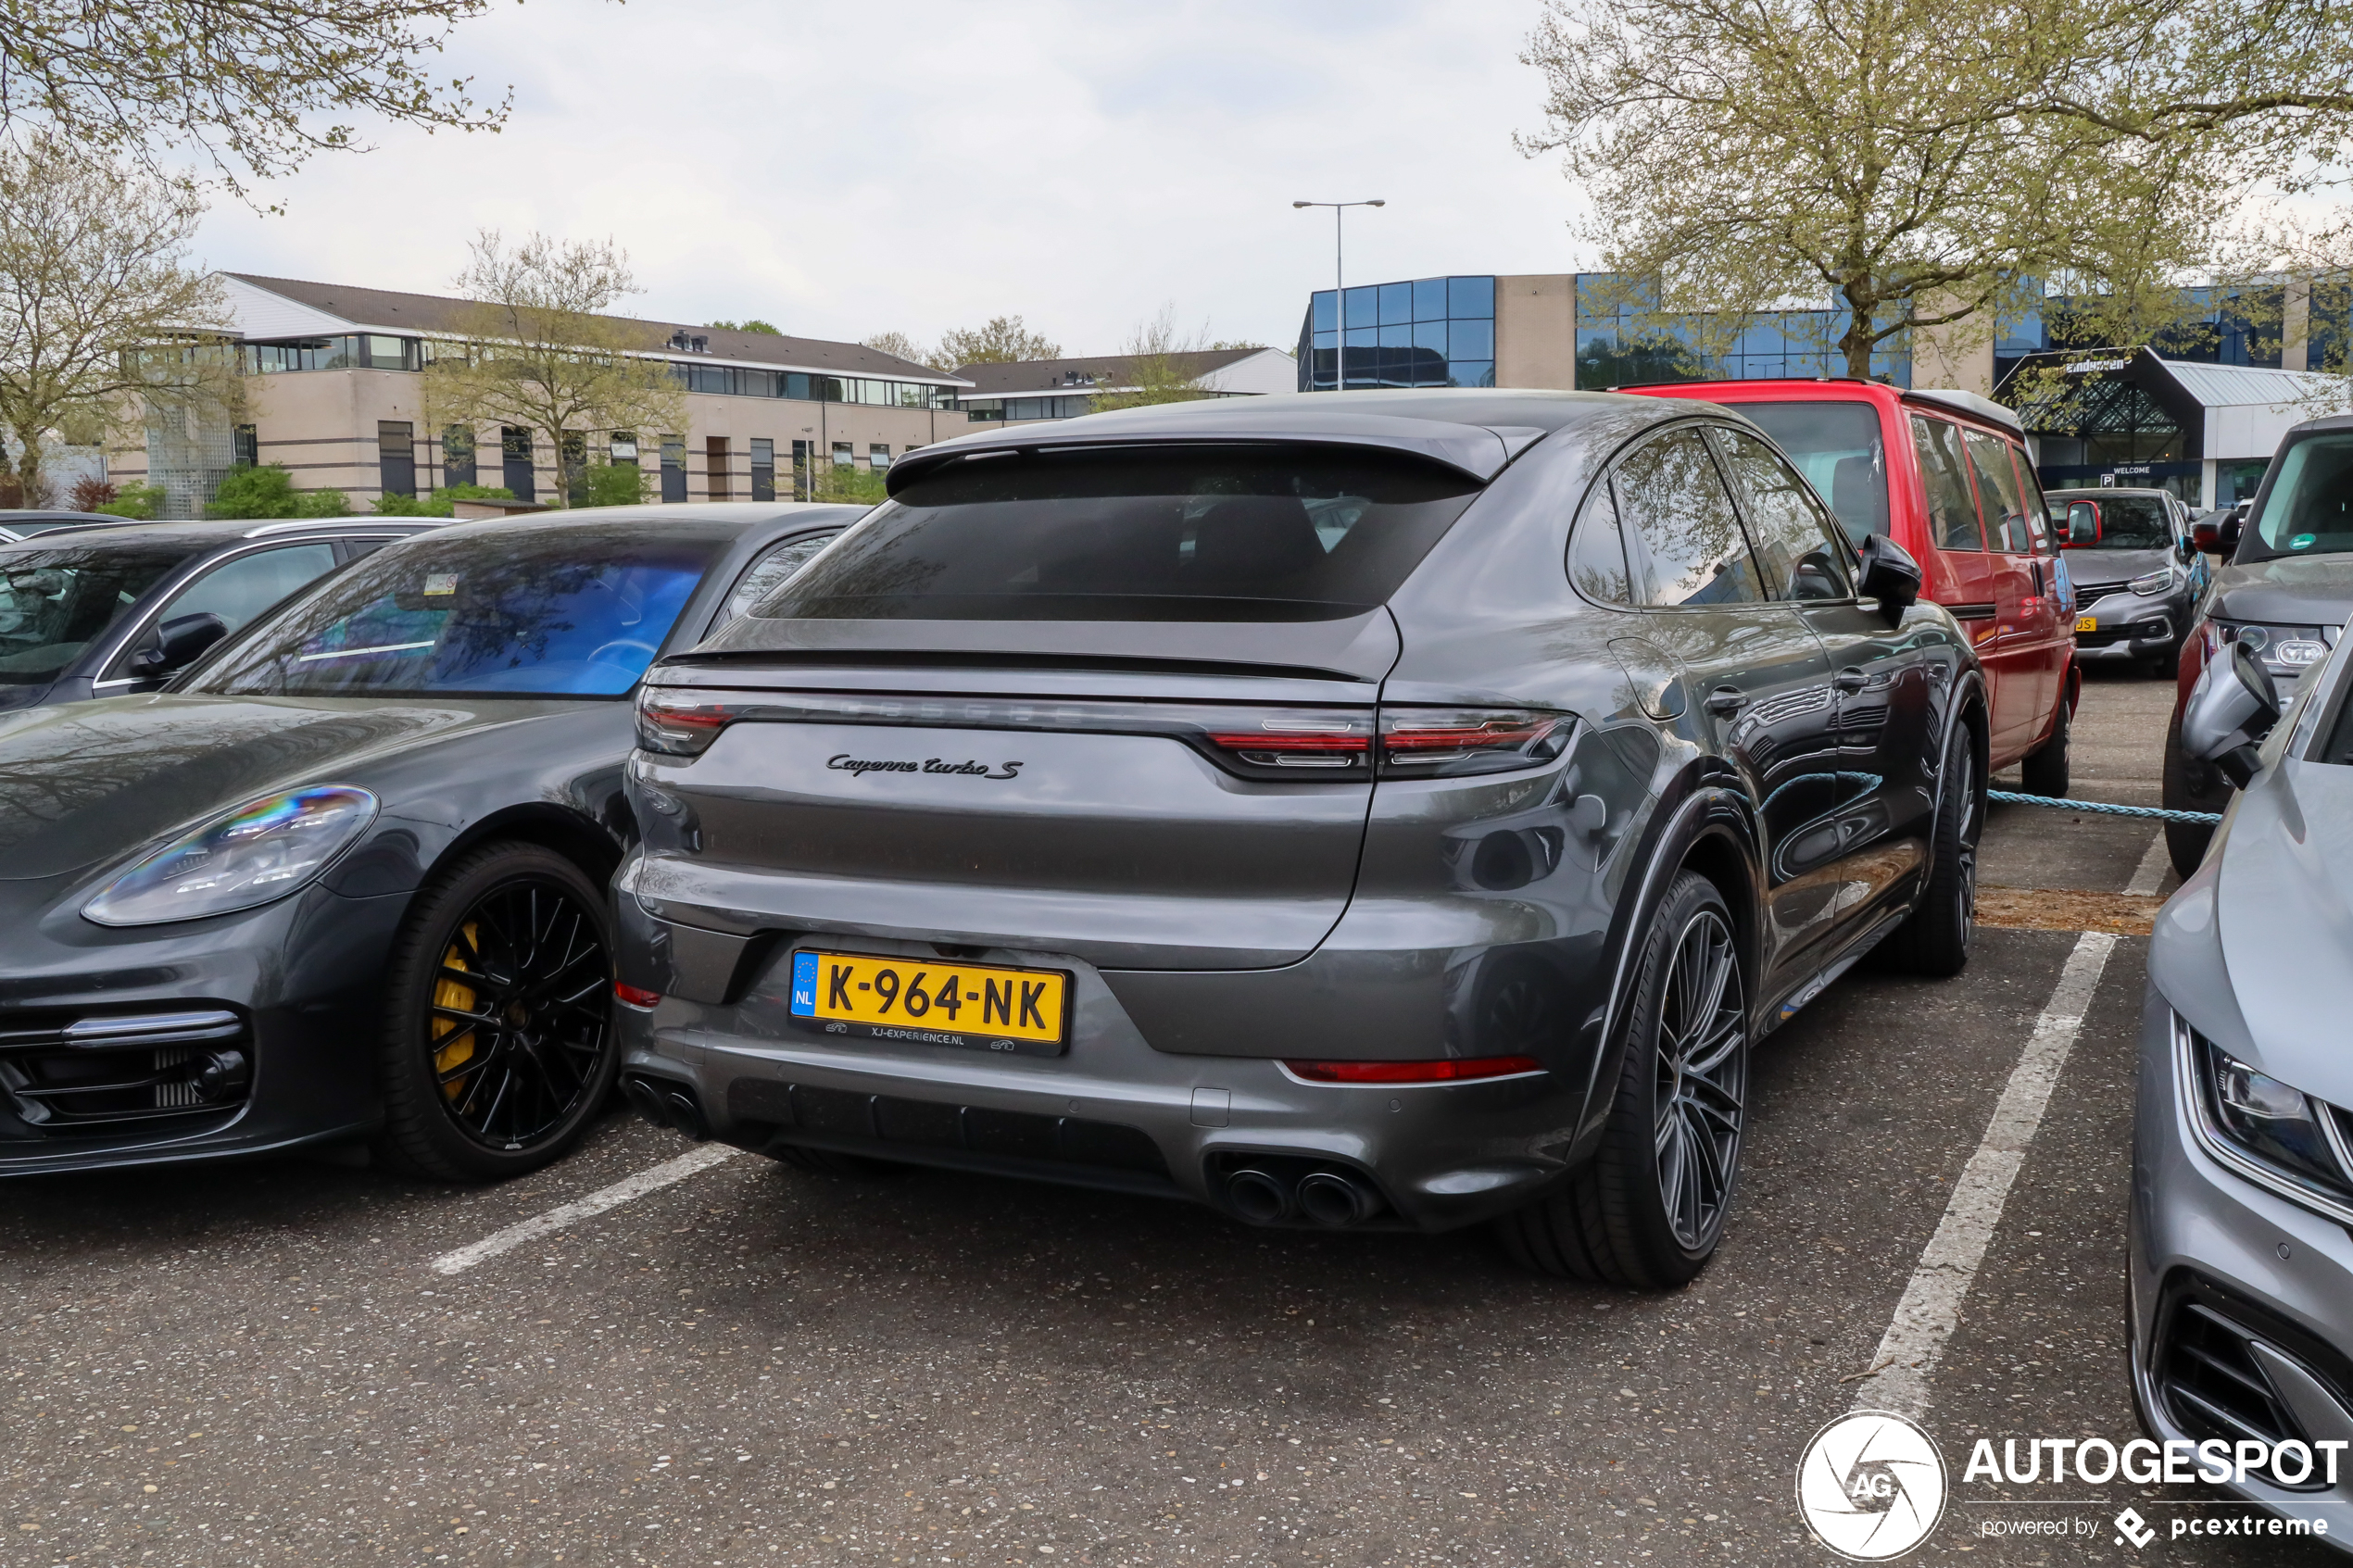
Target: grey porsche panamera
(1401, 810)
(344, 883)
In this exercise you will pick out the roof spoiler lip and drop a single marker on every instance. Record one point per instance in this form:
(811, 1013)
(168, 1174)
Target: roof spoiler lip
(927, 460)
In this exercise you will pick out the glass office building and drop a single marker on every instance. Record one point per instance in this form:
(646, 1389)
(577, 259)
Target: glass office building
(1444, 331)
(1430, 331)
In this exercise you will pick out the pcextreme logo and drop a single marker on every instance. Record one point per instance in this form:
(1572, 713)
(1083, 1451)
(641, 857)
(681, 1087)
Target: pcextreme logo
(1871, 1485)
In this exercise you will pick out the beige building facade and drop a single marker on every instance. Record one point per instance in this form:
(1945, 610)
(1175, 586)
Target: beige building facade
(334, 384)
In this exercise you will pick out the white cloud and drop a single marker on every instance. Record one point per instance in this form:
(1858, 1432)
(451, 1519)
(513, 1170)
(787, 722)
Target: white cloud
(921, 166)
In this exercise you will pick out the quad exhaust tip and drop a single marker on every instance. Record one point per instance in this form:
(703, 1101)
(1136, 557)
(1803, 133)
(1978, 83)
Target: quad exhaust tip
(668, 1105)
(1326, 1196)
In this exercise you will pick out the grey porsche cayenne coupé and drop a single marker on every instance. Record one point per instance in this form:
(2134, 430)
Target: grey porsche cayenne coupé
(1398, 810)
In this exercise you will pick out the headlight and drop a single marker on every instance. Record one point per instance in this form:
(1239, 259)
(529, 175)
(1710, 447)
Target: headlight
(2153, 582)
(262, 850)
(2267, 1131)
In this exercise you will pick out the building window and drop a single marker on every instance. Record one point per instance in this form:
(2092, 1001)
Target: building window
(878, 456)
(514, 448)
(1430, 331)
(246, 447)
(397, 457)
(457, 454)
(715, 466)
(674, 468)
(803, 453)
(845, 455)
(354, 351)
(623, 449)
(763, 469)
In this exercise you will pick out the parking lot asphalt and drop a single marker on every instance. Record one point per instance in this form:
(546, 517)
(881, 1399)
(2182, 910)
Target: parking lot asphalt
(753, 1365)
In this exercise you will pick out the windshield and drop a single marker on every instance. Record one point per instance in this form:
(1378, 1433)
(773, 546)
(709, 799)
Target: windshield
(55, 602)
(2127, 523)
(2308, 505)
(1837, 447)
(1167, 533)
(577, 611)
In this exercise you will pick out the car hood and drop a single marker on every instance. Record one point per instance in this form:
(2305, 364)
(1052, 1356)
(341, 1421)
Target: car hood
(2112, 566)
(83, 782)
(2285, 591)
(2284, 916)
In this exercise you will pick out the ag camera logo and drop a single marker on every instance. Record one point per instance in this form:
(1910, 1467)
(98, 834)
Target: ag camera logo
(1871, 1485)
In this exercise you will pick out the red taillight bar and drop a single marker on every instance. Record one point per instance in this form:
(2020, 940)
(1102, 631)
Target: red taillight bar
(636, 996)
(1449, 1072)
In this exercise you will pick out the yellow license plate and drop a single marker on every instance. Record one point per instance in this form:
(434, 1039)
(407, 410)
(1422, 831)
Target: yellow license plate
(2087, 624)
(979, 1007)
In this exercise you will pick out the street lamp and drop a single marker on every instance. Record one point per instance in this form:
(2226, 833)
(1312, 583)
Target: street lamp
(1340, 292)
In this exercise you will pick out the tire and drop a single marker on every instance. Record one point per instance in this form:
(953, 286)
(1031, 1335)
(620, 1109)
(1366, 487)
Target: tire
(1648, 1210)
(534, 927)
(1935, 940)
(2185, 841)
(2045, 771)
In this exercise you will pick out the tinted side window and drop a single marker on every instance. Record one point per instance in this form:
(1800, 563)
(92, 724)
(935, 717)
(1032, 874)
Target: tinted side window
(1597, 555)
(772, 566)
(2038, 510)
(1952, 512)
(1683, 540)
(238, 590)
(2005, 525)
(1793, 549)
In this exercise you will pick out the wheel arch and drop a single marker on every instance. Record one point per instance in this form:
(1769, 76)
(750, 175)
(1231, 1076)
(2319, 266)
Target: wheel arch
(584, 842)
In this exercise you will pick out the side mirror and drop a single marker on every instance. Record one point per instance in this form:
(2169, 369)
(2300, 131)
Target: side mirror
(1890, 575)
(2083, 524)
(178, 640)
(2231, 710)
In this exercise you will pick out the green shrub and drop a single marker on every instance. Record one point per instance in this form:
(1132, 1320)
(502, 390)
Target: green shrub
(267, 492)
(140, 501)
(442, 502)
(609, 485)
(862, 486)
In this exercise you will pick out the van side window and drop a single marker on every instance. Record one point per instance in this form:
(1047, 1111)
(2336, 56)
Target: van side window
(1952, 513)
(1683, 540)
(2005, 525)
(2038, 510)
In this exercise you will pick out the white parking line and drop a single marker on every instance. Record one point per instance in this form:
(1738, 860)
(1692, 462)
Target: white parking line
(1930, 1309)
(596, 1202)
(2150, 875)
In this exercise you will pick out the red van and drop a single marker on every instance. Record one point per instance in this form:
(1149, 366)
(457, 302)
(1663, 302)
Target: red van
(1947, 476)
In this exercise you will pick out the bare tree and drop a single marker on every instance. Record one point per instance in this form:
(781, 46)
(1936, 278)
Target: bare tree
(898, 345)
(1163, 366)
(253, 86)
(103, 322)
(537, 349)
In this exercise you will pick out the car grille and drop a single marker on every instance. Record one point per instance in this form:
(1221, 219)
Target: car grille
(888, 1123)
(2086, 592)
(72, 1074)
(2212, 1384)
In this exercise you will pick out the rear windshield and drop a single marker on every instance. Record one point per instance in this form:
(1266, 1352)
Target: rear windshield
(1158, 534)
(1837, 447)
(55, 602)
(576, 613)
(2308, 506)
(2127, 523)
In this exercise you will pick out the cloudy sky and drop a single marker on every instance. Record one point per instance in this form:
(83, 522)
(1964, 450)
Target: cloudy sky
(901, 164)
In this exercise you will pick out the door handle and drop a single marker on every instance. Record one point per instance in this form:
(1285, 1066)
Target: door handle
(1725, 701)
(1850, 679)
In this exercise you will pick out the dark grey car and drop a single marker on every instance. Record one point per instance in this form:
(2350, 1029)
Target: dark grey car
(1401, 810)
(2135, 577)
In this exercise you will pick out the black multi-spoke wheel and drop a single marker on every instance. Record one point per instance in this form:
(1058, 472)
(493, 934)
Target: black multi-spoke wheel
(1935, 940)
(1701, 1066)
(500, 1041)
(1648, 1210)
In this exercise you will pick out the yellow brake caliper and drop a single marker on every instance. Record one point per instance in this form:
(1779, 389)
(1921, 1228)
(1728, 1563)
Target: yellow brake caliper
(453, 1042)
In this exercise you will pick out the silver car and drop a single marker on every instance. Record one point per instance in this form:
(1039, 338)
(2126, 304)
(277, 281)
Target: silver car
(2241, 1264)
(2136, 577)
(1386, 810)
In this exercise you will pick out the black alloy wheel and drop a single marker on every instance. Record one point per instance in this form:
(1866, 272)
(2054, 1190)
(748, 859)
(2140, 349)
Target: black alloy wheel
(500, 1040)
(1934, 939)
(1648, 1210)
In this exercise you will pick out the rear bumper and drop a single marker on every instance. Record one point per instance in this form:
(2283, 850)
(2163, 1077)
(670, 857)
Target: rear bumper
(1113, 1112)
